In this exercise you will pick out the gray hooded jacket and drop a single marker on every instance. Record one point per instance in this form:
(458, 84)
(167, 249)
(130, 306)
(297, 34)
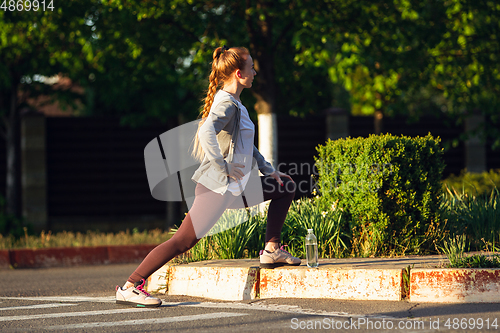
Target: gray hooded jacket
(218, 136)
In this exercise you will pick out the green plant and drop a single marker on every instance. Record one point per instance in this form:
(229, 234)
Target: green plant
(232, 242)
(327, 223)
(476, 216)
(405, 287)
(473, 184)
(454, 249)
(389, 188)
(257, 239)
(478, 261)
(200, 252)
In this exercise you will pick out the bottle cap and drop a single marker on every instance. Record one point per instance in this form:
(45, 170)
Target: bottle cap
(310, 231)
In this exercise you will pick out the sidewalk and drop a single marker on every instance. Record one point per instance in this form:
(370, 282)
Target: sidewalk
(412, 278)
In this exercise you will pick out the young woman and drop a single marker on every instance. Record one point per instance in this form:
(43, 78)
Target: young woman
(224, 144)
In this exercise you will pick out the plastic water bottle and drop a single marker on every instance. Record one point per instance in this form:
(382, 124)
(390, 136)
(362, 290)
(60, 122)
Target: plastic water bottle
(311, 249)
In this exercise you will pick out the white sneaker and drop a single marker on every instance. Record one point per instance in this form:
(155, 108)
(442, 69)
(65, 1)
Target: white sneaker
(136, 296)
(279, 257)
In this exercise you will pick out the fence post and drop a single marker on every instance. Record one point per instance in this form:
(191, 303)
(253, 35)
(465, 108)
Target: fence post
(34, 170)
(475, 150)
(337, 123)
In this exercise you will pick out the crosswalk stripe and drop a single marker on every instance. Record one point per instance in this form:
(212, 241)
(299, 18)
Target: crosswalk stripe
(74, 314)
(150, 321)
(109, 299)
(37, 306)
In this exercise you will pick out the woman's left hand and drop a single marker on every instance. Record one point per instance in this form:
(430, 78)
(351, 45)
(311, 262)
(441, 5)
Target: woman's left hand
(278, 174)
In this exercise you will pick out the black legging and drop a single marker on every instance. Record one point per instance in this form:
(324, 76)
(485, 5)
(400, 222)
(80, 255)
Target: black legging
(209, 207)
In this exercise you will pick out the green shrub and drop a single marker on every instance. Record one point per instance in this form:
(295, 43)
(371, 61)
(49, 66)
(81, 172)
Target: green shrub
(389, 188)
(473, 184)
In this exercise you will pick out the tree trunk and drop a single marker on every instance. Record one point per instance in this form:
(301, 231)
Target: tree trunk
(268, 137)
(12, 136)
(264, 89)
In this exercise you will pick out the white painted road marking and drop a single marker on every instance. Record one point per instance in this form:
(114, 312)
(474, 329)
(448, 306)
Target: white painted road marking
(147, 321)
(109, 299)
(75, 314)
(263, 306)
(37, 306)
(259, 305)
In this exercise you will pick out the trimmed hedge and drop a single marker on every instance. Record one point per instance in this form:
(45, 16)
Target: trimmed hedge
(389, 188)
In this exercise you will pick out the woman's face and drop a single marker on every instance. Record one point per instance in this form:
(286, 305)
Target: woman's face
(248, 73)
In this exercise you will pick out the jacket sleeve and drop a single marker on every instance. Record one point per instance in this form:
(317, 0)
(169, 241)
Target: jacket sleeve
(264, 166)
(217, 119)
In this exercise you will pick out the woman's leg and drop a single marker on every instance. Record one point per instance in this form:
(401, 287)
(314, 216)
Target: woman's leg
(207, 208)
(281, 197)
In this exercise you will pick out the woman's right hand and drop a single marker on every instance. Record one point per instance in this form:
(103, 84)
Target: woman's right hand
(235, 171)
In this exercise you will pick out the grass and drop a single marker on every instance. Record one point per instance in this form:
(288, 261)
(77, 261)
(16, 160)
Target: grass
(476, 217)
(455, 249)
(90, 238)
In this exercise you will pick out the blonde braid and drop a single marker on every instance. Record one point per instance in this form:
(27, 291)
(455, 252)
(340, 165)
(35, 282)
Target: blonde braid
(212, 89)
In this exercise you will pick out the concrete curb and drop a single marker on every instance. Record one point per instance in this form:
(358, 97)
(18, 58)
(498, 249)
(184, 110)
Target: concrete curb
(246, 283)
(243, 279)
(354, 284)
(73, 256)
(224, 283)
(198, 279)
(455, 285)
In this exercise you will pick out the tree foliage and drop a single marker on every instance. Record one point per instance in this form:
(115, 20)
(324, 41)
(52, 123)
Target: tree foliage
(158, 54)
(409, 57)
(146, 60)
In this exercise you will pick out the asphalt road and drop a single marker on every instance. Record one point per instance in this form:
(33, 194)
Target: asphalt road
(81, 299)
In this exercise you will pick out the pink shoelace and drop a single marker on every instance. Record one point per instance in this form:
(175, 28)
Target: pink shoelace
(141, 288)
(282, 248)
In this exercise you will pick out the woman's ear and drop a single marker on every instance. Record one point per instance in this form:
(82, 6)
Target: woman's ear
(238, 74)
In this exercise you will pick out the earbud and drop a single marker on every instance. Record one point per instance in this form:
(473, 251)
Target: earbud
(239, 75)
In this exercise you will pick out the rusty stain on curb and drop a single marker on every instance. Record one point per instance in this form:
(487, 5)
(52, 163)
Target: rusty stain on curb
(453, 285)
(360, 284)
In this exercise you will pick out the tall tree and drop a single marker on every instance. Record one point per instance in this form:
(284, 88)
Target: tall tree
(37, 43)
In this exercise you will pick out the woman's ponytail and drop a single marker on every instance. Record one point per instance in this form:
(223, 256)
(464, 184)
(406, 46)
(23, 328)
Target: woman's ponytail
(225, 61)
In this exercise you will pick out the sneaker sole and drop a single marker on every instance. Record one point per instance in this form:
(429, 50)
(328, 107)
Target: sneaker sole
(137, 304)
(278, 264)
